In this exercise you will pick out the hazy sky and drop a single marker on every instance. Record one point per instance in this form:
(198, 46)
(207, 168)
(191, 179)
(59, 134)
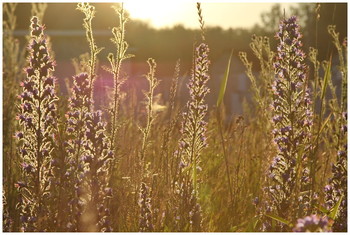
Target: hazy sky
(167, 13)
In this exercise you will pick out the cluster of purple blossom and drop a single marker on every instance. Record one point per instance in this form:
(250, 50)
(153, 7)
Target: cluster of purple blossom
(37, 119)
(89, 157)
(312, 223)
(292, 122)
(193, 139)
(187, 211)
(337, 188)
(79, 106)
(193, 129)
(145, 223)
(84, 164)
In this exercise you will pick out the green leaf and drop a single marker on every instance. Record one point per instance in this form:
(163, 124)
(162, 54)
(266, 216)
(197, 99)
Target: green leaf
(327, 76)
(224, 82)
(334, 210)
(324, 124)
(279, 219)
(252, 224)
(322, 209)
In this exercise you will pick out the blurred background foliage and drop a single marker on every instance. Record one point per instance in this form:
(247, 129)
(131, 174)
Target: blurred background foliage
(169, 44)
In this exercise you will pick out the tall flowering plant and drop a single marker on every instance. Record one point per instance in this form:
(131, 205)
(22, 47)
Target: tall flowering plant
(145, 222)
(88, 157)
(194, 126)
(336, 190)
(292, 120)
(96, 161)
(79, 105)
(193, 139)
(145, 219)
(37, 121)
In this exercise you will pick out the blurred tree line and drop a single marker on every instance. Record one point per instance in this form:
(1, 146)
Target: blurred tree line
(314, 19)
(170, 44)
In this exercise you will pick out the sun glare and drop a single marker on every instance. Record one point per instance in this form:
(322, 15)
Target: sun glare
(141, 10)
(158, 13)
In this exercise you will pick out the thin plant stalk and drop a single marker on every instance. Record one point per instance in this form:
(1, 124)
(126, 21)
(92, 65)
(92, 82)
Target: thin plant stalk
(89, 12)
(153, 83)
(218, 117)
(116, 61)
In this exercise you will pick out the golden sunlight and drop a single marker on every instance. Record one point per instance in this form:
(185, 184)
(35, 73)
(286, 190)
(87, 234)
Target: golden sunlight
(169, 13)
(160, 13)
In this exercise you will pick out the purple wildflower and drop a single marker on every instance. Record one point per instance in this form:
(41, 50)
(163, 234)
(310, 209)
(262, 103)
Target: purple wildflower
(37, 119)
(193, 141)
(194, 126)
(312, 223)
(337, 187)
(145, 221)
(97, 164)
(79, 106)
(289, 134)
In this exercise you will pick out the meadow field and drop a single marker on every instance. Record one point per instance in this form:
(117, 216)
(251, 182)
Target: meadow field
(133, 129)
